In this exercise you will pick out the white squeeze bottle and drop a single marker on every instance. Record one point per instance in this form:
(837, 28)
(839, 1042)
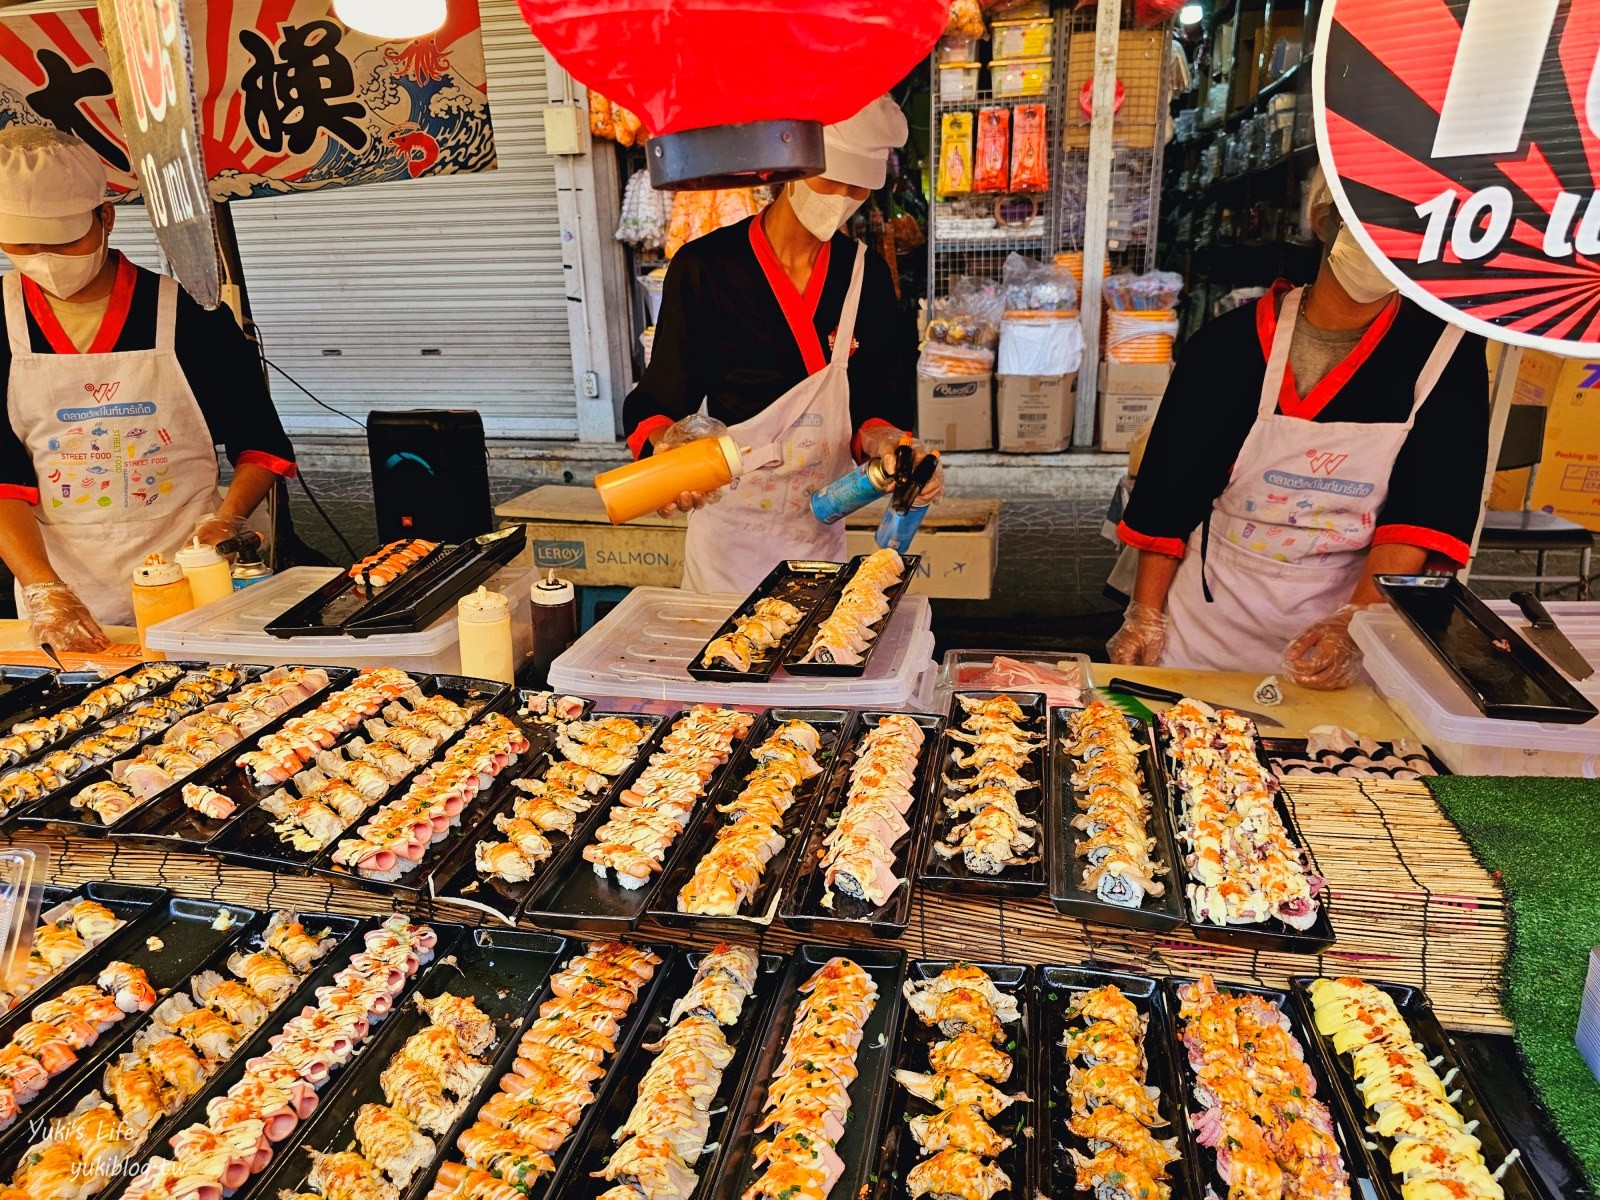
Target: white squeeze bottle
(483, 620)
(210, 578)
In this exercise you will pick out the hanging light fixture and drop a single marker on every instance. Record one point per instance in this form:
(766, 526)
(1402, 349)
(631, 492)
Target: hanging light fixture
(393, 20)
(737, 95)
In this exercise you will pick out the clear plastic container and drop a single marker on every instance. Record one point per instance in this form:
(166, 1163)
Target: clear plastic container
(958, 81)
(1429, 699)
(957, 48)
(235, 630)
(1020, 77)
(975, 669)
(23, 873)
(1023, 39)
(643, 646)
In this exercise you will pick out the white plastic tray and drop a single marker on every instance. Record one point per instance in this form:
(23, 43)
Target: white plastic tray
(234, 629)
(643, 647)
(1425, 695)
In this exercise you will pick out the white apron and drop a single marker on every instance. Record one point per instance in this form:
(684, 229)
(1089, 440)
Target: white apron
(124, 457)
(1286, 542)
(800, 444)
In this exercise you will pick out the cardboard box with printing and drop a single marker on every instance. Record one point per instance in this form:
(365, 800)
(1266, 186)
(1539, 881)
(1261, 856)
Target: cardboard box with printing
(1033, 413)
(956, 414)
(1130, 394)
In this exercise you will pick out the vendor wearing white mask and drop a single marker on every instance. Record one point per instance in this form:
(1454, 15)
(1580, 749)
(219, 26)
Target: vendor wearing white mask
(1306, 443)
(787, 331)
(119, 389)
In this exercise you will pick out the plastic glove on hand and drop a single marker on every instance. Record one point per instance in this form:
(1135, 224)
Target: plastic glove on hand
(58, 619)
(214, 528)
(1142, 637)
(691, 429)
(883, 442)
(1325, 656)
(687, 502)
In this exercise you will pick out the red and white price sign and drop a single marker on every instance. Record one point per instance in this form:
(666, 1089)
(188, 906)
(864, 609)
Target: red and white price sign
(1462, 142)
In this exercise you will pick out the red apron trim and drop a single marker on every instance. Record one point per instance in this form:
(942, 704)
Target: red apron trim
(1423, 538)
(16, 491)
(640, 437)
(1171, 547)
(116, 318)
(1290, 402)
(800, 311)
(260, 458)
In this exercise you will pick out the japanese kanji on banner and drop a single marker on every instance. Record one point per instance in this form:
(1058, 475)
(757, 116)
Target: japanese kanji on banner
(1462, 142)
(290, 99)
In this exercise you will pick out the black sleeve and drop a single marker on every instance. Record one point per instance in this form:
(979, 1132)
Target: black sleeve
(224, 372)
(18, 480)
(881, 370)
(669, 390)
(1436, 488)
(1205, 415)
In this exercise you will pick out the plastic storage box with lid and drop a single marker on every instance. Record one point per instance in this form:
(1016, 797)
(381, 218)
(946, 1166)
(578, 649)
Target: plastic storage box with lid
(957, 48)
(1023, 39)
(974, 670)
(643, 646)
(1019, 77)
(235, 629)
(1425, 696)
(958, 81)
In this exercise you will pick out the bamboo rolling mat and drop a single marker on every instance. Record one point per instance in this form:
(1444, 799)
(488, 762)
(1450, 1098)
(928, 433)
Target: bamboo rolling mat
(1410, 905)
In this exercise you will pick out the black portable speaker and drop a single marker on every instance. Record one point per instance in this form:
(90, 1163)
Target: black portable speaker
(430, 474)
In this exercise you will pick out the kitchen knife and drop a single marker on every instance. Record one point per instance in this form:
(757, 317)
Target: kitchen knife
(1145, 692)
(1548, 638)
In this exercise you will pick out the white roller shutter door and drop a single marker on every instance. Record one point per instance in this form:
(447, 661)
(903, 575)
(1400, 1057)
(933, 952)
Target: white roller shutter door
(431, 293)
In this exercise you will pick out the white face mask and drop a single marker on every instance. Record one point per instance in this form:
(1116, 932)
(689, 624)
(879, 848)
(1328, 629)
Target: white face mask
(1356, 273)
(822, 213)
(63, 275)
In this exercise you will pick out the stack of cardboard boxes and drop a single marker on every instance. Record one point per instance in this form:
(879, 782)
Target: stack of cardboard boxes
(1030, 414)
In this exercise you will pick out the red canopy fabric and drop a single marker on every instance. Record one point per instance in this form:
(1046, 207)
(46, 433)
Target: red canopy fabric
(691, 64)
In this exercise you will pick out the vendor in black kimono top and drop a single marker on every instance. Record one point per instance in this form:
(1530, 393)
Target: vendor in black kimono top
(1307, 443)
(783, 329)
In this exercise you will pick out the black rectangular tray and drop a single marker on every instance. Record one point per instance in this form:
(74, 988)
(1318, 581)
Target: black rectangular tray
(68, 689)
(1271, 934)
(131, 902)
(40, 1115)
(190, 942)
(23, 689)
(457, 880)
(158, 1144)
(110, 719)
(414, 884)
(248, 836)
(344, 607)
(1021, 1122)
(1519, 1181)
(166, 821)
(1351, 1144)
(802, 642)
(1499, 671)
(744, 1037)
(1055, 988)
(941, 874)
(503, 972)
(55, 813)
(58, 690)
(802, 583)
(1279, 750)
(833, 724)
(1159, 913)
(573, 897)
(849, 918)
(653, 1002)
(869, 1094)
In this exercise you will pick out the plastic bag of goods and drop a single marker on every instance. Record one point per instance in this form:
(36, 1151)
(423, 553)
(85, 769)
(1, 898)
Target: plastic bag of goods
(955, 154)
(645, 214)
(963, 331)
(1030, 150)
(990, 172)
(1141, 316)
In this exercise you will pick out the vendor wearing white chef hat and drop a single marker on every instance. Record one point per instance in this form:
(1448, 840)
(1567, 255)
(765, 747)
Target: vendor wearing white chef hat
(1306, 443)
(119, 388)
(786, 331)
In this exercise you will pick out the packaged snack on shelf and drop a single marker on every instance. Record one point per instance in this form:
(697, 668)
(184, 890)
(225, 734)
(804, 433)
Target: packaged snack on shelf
(955, 154)
(1037, 289)
(965, 328)
(994, 143)
(1030, 150)
(600, 122)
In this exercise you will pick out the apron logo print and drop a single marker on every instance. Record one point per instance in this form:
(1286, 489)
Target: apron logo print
(104, 393)
(1324, 463)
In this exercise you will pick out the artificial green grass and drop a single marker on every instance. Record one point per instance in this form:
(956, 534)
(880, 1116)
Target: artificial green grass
(1542, 837)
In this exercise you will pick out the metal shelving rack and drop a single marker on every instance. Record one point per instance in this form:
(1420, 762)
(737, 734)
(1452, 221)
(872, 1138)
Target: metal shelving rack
(1132, 156)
